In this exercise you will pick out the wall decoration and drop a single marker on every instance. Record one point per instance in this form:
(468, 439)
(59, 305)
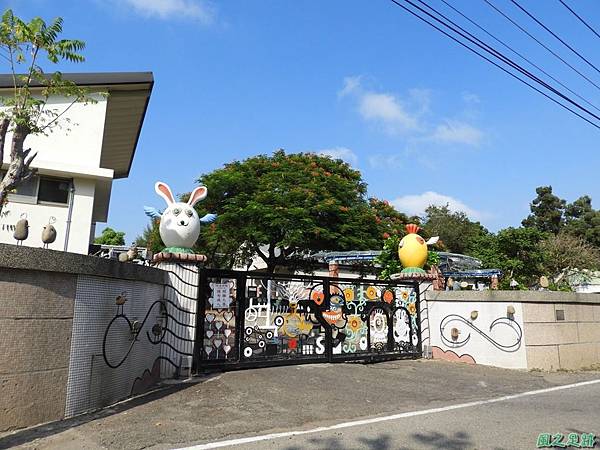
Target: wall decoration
(449, 355)
(511, 346)
(488, 337)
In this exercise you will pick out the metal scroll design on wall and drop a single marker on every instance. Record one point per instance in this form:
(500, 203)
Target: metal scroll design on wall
(156, 335)
(455, 343)
(134, 330)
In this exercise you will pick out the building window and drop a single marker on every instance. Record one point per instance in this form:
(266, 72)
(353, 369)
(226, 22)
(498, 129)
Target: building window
(25, 192)
(41, 189)
(53, 190)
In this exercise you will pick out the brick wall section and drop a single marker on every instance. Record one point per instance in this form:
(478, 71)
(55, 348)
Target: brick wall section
(36, 317)
(572, 343)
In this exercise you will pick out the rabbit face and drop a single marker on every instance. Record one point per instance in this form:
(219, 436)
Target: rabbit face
(179, 223)
(179, 226)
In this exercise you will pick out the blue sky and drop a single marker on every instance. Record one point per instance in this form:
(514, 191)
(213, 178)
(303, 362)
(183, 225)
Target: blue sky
(424, 120)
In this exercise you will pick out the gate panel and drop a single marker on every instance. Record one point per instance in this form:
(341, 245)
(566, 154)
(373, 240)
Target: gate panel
(249, 319)
(218, 320)
(378, 318)
(281, 322)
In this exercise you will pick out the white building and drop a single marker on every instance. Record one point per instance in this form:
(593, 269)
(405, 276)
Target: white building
(76, 168)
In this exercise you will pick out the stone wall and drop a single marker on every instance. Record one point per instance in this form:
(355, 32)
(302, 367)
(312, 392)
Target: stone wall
(49, 301)
(562, 335)
(560, 330)
(36, 320)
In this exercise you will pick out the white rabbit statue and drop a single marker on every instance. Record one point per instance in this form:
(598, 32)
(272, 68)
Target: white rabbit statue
(179, 222)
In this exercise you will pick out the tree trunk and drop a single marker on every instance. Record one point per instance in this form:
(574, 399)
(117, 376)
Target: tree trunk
(20, 160)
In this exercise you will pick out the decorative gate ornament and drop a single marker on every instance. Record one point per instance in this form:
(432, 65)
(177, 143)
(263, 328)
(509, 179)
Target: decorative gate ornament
(179, 223)
(292, 319)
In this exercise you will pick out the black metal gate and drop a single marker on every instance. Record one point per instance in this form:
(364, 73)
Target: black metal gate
(253, 319)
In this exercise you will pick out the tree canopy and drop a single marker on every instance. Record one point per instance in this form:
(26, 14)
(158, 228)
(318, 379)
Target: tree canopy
(110, 237)
(284, 206)
(546, 211)
(456, 231)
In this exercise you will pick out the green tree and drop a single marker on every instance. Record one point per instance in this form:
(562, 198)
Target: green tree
(583, 221)
(110, 237)
(284, 206)
(26, 111)
(456, 231)
(546, 211)
(516, 251)
(388, 220)
(565, 255)
(388, 259)
(150, 238)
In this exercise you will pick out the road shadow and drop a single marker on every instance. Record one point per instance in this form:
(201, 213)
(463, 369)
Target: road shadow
(27, 435)
(460, 440)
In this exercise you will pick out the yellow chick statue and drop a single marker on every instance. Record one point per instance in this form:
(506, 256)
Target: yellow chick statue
(412, 250)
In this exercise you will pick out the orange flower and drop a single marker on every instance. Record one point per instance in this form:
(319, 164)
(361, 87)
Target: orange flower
(388, 296)
(371, 293)
(412, 309)
(355, 323)
(349, 294)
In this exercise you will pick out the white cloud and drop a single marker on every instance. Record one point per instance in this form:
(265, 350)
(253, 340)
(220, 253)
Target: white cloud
(166, 9)
(406, 116)
(455, 132)
(379, 161)
(416, 204)
(351, 84)
(386, 109)
(469, 97)
(340, 153)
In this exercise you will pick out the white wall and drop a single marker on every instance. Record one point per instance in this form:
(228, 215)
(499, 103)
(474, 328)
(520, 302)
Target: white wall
(500, 345)
(39, 214)
(75, 150)
(81, 146)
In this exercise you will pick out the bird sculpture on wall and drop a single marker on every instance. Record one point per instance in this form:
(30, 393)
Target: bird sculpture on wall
(49, 232)
(120, 301)
(21, 229)
(132, 253)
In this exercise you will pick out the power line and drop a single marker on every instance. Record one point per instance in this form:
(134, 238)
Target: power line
(501, 42)
(479, 43)
(555, 35)
(580, 18)
(540, 43)
(495, 64)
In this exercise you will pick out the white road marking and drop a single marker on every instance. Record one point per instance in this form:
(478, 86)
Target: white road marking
(357, 423)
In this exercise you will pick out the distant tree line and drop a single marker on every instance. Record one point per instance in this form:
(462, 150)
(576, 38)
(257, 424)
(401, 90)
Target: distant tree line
(282, 207)
(556, 239)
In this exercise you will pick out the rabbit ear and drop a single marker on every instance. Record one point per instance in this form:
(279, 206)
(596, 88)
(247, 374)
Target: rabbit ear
(164, 191)
(197, 194)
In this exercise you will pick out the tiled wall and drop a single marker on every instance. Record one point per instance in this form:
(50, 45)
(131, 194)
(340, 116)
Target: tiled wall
(181, 294)
(92, 383)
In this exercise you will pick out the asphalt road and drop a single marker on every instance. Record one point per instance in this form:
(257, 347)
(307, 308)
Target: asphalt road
(510, 424)
(250, 403)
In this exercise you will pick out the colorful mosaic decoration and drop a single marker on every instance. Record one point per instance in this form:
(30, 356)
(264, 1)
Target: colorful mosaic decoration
(300, 319)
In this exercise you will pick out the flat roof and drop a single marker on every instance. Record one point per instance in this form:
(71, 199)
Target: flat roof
(129, 95)
(92, 78)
